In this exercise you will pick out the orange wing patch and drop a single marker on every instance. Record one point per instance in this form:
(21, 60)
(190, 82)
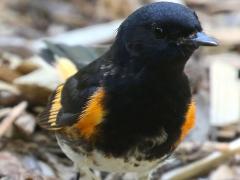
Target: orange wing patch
(189, 120)
(92, 115)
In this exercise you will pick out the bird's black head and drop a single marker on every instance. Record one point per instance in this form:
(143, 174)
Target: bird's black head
(163, 33)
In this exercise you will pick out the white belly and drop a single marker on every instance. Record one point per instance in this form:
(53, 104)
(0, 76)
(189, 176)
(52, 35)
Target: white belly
(98, 161)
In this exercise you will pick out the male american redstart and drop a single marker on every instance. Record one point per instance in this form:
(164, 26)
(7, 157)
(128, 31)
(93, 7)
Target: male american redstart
(130, 108)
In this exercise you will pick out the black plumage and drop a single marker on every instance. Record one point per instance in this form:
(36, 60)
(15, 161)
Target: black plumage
(146, 91)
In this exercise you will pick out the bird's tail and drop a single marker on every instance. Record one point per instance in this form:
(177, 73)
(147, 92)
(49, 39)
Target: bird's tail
(67, 59)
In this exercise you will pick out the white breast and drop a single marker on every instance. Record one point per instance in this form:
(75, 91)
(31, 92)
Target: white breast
(96, 160)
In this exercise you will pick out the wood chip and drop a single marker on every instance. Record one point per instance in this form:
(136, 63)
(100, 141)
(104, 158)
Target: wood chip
(204, 165)
(8, 121)
(26, 67)
(9, 94)
(7, 74)
(8, 87)
(4, 112)
(226, 134)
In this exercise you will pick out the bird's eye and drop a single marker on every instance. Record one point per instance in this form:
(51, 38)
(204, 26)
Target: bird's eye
(158, 31)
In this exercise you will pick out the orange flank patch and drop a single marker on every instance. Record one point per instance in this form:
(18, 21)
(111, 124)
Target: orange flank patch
(189, 120)
(92, 115)
(55, 106)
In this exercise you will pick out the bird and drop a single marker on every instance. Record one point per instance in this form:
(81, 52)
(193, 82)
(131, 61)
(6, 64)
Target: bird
(129, 109)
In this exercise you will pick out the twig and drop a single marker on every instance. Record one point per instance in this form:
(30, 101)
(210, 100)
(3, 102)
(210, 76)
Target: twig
(206, 146)
(204, 165)
(12, 116)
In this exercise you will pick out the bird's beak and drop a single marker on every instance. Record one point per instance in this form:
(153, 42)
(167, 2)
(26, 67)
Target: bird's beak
(201, 39)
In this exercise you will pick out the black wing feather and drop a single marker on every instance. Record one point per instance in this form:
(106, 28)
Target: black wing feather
(68, 101)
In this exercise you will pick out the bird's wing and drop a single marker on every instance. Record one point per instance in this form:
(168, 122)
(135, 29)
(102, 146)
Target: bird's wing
(77, 103)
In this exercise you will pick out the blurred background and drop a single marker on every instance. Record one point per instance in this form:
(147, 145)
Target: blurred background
(211, 151)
